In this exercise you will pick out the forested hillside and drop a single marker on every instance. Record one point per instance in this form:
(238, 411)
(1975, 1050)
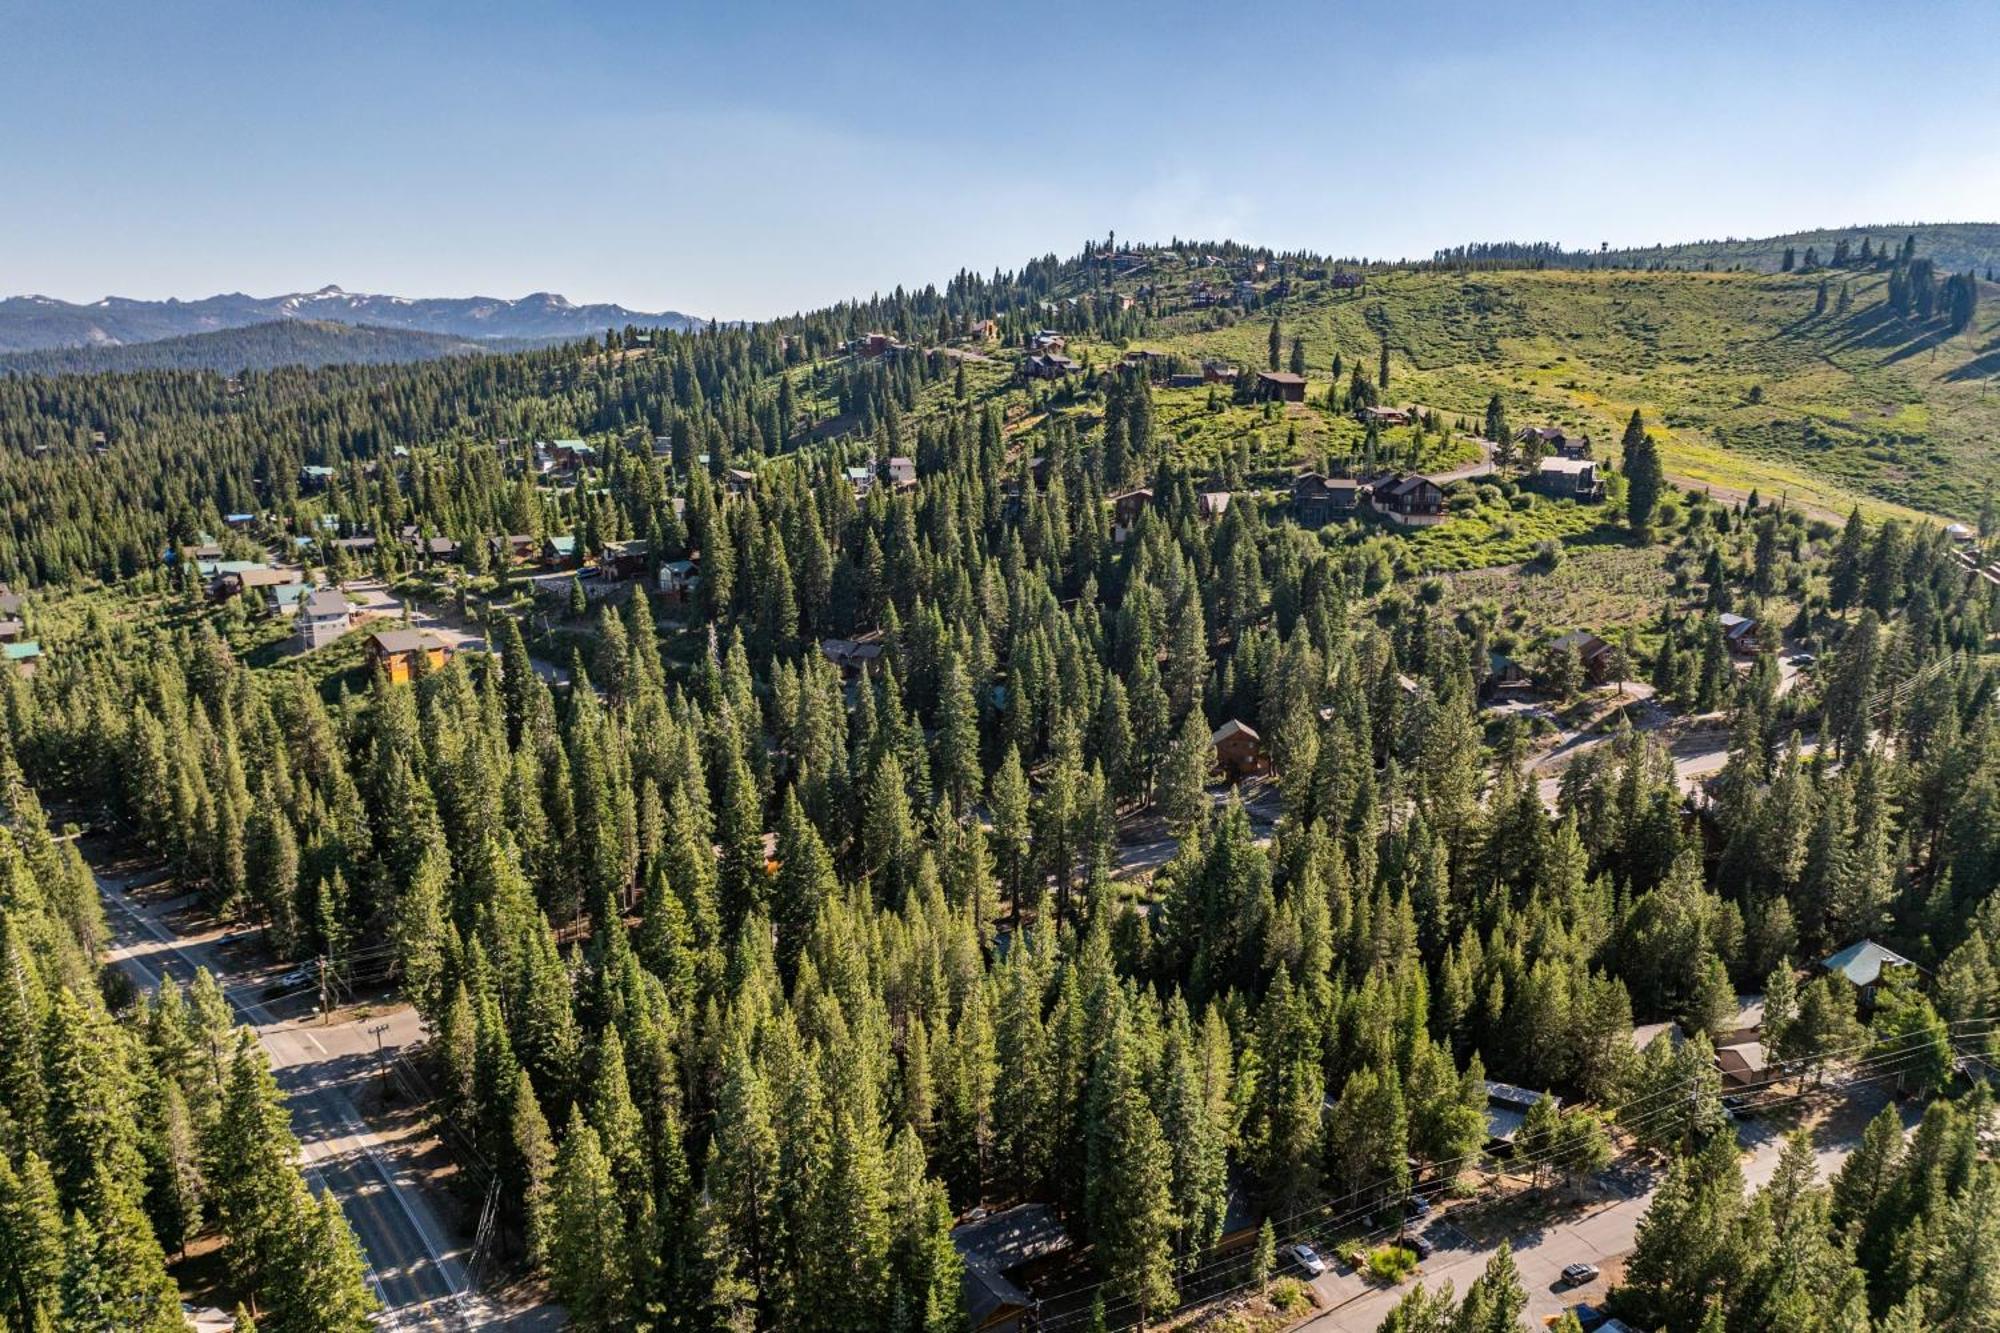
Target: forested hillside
(127, 1133)
(870, 845)
(291, 342)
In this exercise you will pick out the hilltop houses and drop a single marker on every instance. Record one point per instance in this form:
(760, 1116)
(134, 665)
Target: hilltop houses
(1280, 386)
(1412, 501)
(1554, 440)
(1318, 500)
(402, 653)
(323, 616)
(1562, 478)
(1047, 366)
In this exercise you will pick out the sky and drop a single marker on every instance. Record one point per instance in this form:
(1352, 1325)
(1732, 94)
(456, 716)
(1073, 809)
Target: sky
(752, 158)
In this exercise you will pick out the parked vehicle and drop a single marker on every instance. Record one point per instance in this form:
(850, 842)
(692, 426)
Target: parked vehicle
(1306, 1257)
(1418, 1245)
(1578, 1274)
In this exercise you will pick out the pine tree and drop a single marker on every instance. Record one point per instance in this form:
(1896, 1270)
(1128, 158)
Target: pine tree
(31, 1244)
(1130, 1206)
(1183, 783)
(324, 1288)
(588, 1247)
(1644, 478)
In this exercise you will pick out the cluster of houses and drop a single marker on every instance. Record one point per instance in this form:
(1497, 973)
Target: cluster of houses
(19, 651)
(900, 472)
(1406, 499)
(1740, 1054)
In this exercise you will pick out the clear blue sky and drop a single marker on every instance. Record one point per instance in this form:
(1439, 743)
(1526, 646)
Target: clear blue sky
(747, 159)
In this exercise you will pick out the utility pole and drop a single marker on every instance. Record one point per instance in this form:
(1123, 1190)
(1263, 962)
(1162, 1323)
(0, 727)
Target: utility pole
(325, 1009)
(382, 1069)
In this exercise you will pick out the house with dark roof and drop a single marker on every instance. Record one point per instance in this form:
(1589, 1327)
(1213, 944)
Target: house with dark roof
(855, 657)
(1280, 386)
(1002, 1255)
(1413, 501)
(1126, 506)
(1507, 1108)
(1555, 440)
(1504, 676)
(1741, 633)
(1047, 366)
(1318, 500)
(1385, 416)
(514, 546)
(624, 560)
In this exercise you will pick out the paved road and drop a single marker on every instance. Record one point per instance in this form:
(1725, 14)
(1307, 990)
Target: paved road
(1597, 1235)
(1483, 468)
(415, 1263)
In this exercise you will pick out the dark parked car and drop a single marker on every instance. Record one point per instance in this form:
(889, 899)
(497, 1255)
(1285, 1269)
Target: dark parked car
(1418, 1245)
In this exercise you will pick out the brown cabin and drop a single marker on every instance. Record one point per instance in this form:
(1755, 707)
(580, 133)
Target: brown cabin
(515, 546)
(1318, 499)
(1239, 750)
(398, 651)
(1128, 505)
(1281, 386)
(1412, 501)
(624, 560)
(1594, 653)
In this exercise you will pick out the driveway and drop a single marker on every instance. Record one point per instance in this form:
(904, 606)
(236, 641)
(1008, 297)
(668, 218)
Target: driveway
(1602, 1234)
(373, 600)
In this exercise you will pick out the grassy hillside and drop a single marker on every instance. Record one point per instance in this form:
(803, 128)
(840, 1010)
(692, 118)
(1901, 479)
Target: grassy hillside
(1745, 386)
(283, 342)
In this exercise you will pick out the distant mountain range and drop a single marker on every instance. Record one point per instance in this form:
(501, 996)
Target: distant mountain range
(29, 323)
(277, 342)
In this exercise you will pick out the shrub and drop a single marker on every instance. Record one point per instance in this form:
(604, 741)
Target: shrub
(1289, 1295)
(1392, 1263)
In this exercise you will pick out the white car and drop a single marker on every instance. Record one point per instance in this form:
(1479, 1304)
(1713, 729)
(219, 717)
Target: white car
(1307, 1258)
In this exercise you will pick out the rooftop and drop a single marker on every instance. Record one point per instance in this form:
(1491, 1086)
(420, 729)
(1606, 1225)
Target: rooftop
(1862, 962)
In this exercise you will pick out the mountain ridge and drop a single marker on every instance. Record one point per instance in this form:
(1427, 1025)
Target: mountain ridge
(34, 322)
